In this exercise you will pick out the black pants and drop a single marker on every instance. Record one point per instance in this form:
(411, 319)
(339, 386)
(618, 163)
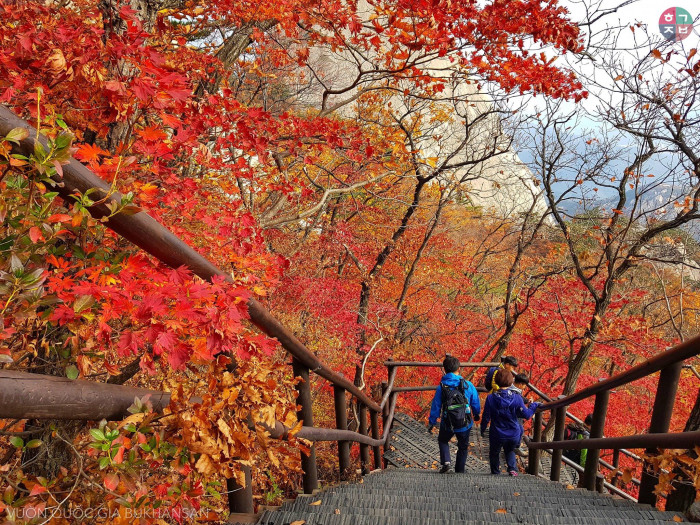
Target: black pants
(444, 437)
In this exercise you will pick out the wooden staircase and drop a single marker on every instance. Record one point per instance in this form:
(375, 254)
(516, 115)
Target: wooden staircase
(411, 491)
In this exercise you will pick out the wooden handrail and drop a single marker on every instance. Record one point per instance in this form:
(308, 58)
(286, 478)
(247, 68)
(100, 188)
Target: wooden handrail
(669, 363)
(148, 234)
(580, 422)
(389, 387)
(681, 352)
(667, 440)
(24, 395)
(438, 364)
(37, 396)
(427, 388)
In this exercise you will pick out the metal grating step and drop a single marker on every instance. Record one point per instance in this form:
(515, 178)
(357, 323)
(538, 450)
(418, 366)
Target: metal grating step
(415, 493)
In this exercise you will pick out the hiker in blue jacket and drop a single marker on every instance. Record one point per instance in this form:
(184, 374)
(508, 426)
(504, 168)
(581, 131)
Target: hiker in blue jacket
(450, 386)
(502, 409)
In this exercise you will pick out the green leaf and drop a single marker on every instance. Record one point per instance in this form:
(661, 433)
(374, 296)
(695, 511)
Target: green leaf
(97, 434)
(34, 443)
(63, 140)
(17, 441)
(83, 302)
(15, 264)
(72, 372)
(103, 463)
(17, 134)
(7, 243)
(39, 151)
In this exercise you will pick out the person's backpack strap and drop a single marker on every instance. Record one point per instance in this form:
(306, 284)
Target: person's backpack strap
(463, 385)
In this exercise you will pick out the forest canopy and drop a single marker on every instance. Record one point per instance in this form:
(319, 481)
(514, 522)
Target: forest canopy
(354, 166)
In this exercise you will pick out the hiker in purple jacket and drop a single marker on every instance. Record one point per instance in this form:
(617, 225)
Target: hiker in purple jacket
(502, 410)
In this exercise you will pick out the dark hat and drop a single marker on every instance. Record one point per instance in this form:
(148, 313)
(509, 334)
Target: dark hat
(509, 360)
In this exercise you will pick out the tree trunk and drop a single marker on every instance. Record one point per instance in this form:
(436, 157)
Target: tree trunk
(366, 291)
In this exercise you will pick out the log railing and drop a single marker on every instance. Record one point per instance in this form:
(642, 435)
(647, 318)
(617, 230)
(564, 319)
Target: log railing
(669, 363)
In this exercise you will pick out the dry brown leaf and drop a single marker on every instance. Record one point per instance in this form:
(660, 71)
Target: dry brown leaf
(677, 518)
(626, 475)
(337, 511)
(570, 487)
(317, 502)
(205, 465)
(501, 511)
(224, 428)
(298, 522)
(516, 493)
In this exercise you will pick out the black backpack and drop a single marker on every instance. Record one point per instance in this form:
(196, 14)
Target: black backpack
(456, 412)
(574, 432)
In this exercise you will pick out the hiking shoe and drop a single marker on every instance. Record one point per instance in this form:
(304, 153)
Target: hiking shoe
(512, 473)
(445, 468)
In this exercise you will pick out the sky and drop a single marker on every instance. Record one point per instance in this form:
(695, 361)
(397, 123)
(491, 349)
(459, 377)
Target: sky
(645, 11)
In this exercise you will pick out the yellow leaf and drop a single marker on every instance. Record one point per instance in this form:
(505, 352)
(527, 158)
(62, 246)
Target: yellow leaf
(677, 518)
(136, 419)
(205, 465)
(501, 511)
(570, 487)
(317, 502)
(225, 429)
(298, 522)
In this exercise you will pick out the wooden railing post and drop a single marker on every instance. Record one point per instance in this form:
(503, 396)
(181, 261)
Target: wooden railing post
(341, 423)
(240, 499)
(305, 413)
(559, 425)
(616, 466)
(600, 410)
(533, 455)
(376, 450)
(599, 482)
(364, 449)
(660, 422)
(385, 418)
